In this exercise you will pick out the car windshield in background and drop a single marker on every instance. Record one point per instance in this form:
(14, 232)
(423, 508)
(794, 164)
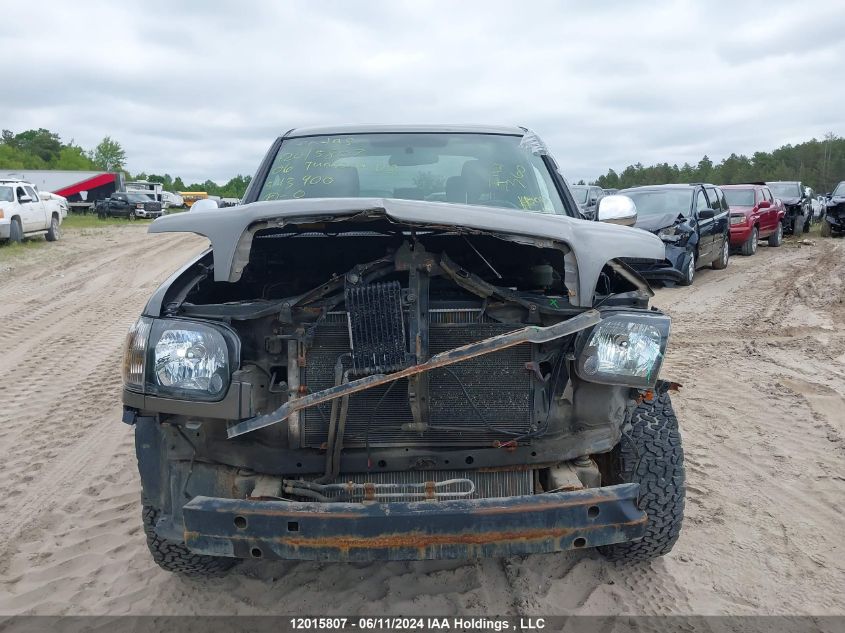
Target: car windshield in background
(785, 189)
(478, 169)
(6, 194)
(840, 190)
(740, 197)
(659, 202)
(138, 197)
(579, 192)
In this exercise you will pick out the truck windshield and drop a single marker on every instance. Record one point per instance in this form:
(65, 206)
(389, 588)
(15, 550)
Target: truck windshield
(6, 194)
(785, 189)
(478, 169)
(840, 190)
(740, 197)
(661, 201)
(138, 197)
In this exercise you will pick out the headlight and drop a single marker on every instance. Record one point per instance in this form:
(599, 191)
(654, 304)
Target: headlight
(624, 349)
(669, 234)
(139, 205)
(183, 359)
(737, 219)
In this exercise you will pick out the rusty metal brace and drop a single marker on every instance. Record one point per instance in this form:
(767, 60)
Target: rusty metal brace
(530, 334)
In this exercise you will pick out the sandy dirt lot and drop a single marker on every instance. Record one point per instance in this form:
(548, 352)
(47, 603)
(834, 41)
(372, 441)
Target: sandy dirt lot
(759, 348)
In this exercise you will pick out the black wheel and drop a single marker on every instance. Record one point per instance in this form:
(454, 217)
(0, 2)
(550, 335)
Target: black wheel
(131, 216)
(15, 231)
(721, 262)
(689, 273)
(776, 238)
(826, 229)
(177, 558)
(749, 246)
(53, 233)
(652, 456)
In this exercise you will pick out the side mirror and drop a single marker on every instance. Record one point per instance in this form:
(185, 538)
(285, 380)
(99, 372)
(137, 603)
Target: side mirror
(24, 199)
(617, 210)
(204, 205)
(764, 204)
(706, 214)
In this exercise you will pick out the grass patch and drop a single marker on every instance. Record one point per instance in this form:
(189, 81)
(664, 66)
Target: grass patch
(11, 249)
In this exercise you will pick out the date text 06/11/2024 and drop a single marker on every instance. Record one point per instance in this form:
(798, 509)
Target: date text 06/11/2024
(399, 623)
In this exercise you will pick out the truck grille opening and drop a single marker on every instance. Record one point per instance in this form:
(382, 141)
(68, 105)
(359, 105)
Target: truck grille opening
(498, 384)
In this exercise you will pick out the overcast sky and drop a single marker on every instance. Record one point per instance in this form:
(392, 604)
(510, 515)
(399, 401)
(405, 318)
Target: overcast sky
(201, 89)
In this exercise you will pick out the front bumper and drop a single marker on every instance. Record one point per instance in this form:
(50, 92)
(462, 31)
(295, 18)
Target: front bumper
(455, 529)
(835, 217)
(740, 233)
(141, 213)
(668, 271)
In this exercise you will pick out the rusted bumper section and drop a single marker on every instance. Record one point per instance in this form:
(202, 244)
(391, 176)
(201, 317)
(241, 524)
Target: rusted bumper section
(466, 528)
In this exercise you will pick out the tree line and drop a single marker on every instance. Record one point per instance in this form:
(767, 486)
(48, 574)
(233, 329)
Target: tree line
(819, 164)
(43, 149)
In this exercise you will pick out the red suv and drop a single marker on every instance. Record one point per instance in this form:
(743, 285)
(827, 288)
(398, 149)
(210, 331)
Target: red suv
(755, 215)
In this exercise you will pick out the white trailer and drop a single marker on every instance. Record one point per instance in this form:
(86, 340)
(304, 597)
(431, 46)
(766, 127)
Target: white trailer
(81, 188)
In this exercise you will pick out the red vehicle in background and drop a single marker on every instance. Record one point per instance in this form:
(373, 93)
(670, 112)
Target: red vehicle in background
(755, 215)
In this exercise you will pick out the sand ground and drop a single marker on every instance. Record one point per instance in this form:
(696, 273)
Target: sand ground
(759, 348)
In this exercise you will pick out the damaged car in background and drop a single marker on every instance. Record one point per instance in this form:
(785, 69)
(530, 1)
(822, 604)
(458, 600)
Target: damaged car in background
(404, 345)
(691, 220)
(797, 204)
(834, 217)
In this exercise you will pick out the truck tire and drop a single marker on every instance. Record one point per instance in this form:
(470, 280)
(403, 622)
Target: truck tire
(826, 230)
(807, 223)
(749, 246)
(689, 273)
(15, 231)
(652, 456)
(721, 262)
(776, 238)
(53, 233)
(175, 557)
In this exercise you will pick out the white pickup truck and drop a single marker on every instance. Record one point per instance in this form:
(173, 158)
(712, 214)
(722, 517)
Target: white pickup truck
(24, 212)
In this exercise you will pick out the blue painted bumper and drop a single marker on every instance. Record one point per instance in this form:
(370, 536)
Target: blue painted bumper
(466, 528)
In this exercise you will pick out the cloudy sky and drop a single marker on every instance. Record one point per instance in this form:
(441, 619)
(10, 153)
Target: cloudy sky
(200, 89)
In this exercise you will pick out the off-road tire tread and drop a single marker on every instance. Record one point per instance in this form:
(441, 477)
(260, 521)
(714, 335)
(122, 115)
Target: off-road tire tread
(660, 473)
(175, 557)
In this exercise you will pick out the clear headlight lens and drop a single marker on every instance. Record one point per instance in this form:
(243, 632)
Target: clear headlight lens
(737, 219)
(624, 349)
(182, 359)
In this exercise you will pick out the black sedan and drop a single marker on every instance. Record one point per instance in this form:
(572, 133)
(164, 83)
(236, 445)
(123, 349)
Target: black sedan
(693, 222)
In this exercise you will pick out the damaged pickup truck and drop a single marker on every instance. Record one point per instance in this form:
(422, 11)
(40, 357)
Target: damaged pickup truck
(404, 345)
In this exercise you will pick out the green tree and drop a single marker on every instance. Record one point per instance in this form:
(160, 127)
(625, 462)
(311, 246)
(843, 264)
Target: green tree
(178, 185)
(42, 143)
(109, 155)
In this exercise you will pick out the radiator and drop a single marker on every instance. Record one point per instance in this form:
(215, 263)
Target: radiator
(498, 384)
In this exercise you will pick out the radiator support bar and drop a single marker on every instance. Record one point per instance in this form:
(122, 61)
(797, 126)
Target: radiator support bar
(530, 334)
